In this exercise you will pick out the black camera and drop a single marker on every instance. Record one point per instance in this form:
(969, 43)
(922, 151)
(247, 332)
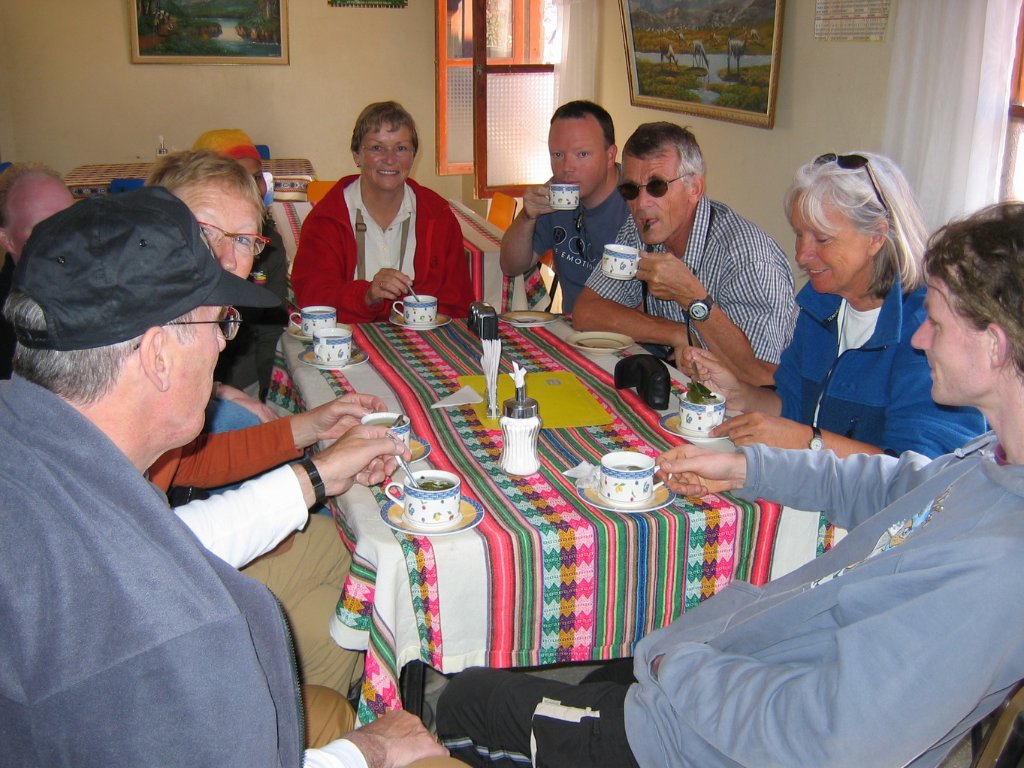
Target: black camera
(649, 375)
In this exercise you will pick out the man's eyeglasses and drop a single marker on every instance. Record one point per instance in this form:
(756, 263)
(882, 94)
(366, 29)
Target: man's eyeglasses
(655, 188)
(855, 163)
(243, 242)
(228, 324)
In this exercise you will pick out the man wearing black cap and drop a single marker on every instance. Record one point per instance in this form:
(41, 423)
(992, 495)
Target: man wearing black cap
(125, 641)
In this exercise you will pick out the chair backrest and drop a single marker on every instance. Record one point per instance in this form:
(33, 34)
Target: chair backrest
(264, 151)
(1003, 744)
(315, 190)
(502, 210)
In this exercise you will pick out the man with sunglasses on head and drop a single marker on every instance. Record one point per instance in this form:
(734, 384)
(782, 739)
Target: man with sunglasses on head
(581, 142)
(707, 276)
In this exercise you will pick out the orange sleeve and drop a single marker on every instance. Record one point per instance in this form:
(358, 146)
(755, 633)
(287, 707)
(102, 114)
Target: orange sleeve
(213, 460)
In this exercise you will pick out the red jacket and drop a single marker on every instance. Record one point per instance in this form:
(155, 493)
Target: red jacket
(325, 262)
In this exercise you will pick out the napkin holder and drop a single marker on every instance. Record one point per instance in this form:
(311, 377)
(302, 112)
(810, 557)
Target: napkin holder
(483, 320)
(650, 377)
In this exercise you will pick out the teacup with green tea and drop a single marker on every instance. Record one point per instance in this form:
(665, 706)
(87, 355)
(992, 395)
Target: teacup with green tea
(627, 477)
(436, 502)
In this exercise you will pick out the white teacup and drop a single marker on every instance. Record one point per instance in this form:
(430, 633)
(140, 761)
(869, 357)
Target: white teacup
(627, 477)
(564, 197)
(429, 506)
(700, 418)
(332, 346)
(311, 318)
(418, 311)
(386, 419)
(620, 261)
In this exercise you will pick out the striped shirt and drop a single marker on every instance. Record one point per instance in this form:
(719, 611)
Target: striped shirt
(742, 268)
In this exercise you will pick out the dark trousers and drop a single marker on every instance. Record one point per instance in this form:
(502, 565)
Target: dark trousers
(488, 717)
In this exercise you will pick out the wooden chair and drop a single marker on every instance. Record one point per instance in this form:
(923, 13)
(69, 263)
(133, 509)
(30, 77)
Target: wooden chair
(1003, 744)
(502, 210)
(315, 190)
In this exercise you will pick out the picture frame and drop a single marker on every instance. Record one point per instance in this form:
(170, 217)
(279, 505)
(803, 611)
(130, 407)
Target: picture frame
(214, 32)
(711, 58)
(367, 3)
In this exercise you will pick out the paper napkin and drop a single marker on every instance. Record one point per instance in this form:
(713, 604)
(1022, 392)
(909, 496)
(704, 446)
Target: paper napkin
(463, 396)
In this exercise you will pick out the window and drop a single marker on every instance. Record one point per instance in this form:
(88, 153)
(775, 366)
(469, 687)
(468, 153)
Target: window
(501, 52)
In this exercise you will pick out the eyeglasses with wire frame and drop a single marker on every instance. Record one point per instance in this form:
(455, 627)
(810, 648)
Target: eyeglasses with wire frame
(228, 324)
(655, 187)
(242, 241)
(856, 163)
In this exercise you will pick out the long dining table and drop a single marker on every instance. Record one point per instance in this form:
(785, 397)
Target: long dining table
(545, 577)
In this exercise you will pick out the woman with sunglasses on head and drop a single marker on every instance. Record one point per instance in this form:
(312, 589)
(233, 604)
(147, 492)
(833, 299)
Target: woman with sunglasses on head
(850, 380)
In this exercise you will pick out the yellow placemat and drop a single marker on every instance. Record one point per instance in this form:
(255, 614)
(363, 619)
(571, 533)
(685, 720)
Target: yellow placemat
(562, 400)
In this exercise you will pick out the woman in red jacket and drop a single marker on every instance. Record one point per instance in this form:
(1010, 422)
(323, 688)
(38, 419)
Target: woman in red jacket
(375, 237)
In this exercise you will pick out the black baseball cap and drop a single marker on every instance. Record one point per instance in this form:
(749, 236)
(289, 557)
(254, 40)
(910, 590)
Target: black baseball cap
(108, 268)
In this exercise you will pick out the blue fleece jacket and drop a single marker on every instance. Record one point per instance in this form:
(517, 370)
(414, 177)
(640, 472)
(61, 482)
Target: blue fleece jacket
(880, 393)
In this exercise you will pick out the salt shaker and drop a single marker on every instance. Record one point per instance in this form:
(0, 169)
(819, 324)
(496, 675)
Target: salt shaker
(520, 427)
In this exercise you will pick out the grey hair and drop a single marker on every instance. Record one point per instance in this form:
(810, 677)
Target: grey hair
(652, 139)
(81, 376)
(849, 192)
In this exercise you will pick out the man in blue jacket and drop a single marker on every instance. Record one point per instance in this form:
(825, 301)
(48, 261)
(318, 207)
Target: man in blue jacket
(884, 651)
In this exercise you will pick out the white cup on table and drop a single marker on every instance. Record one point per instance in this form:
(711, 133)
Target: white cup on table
(419, 310)
(332, 346)
(311, 318)
(436, 502)
(627, 477)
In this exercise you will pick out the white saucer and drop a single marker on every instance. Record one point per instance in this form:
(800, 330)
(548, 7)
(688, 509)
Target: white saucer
(662, 498)
(528, 318)
(394, 517)
(670, 423)
(296, 331)
(399, 320)
(358, 358)
(598, 342)
(420, 448)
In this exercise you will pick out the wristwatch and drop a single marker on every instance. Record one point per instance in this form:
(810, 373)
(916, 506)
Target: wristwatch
(816, 443)
(319, 492)
(700, 309)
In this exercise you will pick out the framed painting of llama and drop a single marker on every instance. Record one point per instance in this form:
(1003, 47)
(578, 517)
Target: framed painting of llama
(212, 32)
(713, 58)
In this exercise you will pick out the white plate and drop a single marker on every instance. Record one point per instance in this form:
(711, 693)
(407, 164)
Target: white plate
(670, 423)
(399, 320)
(528, 318)
(358, 358)
(394, 517)
(599, 342)
(662, 498)
(420, 448)
(296, 331)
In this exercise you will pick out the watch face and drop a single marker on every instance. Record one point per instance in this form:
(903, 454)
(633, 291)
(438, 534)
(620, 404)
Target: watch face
(816, 443)
(699, 310)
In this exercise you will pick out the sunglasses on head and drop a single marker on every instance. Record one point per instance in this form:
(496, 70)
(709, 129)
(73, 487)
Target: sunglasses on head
(655, 188)
(855, 163)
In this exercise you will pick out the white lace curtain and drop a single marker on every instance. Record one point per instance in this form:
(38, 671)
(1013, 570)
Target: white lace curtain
(949, 91)
(578, 63)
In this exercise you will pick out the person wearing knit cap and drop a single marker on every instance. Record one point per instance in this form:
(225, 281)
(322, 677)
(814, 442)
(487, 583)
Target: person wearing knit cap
(252, 358)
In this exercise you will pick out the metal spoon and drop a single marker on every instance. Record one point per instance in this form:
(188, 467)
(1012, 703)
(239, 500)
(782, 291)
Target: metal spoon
(409, 479)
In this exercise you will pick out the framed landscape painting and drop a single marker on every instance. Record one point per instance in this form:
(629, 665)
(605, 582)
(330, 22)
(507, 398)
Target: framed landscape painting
(713, 58)
(209, 31)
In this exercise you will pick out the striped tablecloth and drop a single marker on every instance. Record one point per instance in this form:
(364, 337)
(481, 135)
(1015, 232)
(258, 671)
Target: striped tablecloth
(545, 578)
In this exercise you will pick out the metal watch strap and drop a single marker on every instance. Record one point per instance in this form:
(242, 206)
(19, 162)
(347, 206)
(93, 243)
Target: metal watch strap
(319, 491)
